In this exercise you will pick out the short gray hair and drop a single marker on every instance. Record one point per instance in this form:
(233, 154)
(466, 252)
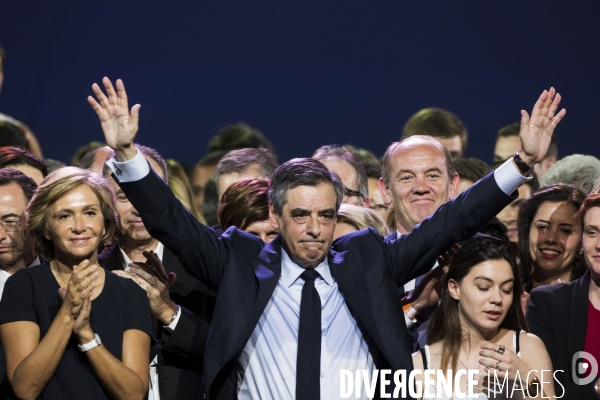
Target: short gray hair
(580, 170)
(302, 172)
(386, 168)
(239, 161)
(341, 153)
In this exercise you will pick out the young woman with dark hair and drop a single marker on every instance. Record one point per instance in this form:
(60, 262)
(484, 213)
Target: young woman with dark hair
(479, 324)
(550, 236)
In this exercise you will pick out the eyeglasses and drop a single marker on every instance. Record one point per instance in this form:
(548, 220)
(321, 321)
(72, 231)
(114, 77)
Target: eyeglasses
(350, 193)
(11, 224)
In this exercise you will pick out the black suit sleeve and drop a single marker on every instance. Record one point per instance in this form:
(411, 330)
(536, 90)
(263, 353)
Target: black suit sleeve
(457, 220)
(186, 344)
(201, 252)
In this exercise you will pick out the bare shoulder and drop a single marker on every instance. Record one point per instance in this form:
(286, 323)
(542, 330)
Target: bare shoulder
(533, 351)
(529, 342)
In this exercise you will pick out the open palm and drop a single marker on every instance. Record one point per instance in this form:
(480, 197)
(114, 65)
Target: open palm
(118, 123)
(536, 130)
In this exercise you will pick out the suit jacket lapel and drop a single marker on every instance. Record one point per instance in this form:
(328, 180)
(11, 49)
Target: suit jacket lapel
(352, 283)
(267, 269)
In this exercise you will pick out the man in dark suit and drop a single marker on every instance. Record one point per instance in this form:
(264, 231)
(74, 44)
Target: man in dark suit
(417, 178)
(181, 305)
(272, 297)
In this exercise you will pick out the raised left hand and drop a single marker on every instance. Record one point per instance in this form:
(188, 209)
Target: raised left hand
(536, 130)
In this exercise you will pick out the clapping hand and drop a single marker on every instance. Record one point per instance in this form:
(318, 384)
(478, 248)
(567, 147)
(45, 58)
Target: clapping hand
(151, 277)
(118, 123)
(536, 130)
(77, 298)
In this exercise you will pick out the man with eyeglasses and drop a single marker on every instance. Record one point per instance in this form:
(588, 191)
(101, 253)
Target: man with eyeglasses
(341, 161)
(17, 247)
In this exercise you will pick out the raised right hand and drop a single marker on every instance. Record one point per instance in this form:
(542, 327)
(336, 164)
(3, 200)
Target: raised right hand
(118, 123)
(80, 286)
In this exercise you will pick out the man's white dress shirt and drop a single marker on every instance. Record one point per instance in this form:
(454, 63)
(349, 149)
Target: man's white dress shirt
(268, 361)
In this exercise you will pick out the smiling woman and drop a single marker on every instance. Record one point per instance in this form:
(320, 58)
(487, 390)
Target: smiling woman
(46, 316)
(549, 233)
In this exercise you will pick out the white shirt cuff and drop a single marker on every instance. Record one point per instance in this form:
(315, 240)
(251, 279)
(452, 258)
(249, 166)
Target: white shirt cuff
(409, 322)
(509, 178)
(173, 324)
(130, 171)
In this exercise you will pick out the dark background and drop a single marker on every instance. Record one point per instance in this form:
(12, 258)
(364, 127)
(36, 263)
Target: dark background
(306, 73)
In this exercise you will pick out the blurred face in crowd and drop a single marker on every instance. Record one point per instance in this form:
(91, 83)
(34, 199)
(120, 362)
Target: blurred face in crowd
(307, 223)
(130, 228)
(419, 182)
(506, 147)
(554, 239)
(349, 178)
(591, 241)
(342, 229)
(225, 180)
(200, 177)
(376, 201)
(453, 144)
(263, 230)
(485, 295)
(508, 216)
(76, 225)
(17, 248)
(30, 171)
(102, 154)
(1, 74)
(464, 185)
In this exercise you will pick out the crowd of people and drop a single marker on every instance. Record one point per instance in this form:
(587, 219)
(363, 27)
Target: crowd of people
(129, 276)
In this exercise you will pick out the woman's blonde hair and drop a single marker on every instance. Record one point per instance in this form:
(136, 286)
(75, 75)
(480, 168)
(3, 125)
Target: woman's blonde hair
(361, 218)
(181, 188)
(56, 185)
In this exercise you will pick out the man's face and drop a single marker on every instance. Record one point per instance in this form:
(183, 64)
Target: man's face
(508, 216)
(200, 177)
(419, 183)
(130, 227)
(251, 172)
(100, 159)
(376, 199)
(347, 174)
(30, 171)
(307, 223)
(17, 249)
(506, 147)
(453, 144)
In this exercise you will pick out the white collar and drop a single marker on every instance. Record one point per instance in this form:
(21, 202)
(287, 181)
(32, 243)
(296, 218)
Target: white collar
(290, 271)
(126, 260)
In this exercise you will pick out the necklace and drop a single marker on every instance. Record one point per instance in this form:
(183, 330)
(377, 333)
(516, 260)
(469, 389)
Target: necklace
(55, 270)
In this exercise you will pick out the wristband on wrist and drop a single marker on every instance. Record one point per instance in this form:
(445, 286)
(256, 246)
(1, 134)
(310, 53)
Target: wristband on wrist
(88, 346)
(524, 168)
(411, 312)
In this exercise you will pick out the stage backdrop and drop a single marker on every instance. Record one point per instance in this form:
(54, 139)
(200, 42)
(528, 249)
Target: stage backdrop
(306, 73)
